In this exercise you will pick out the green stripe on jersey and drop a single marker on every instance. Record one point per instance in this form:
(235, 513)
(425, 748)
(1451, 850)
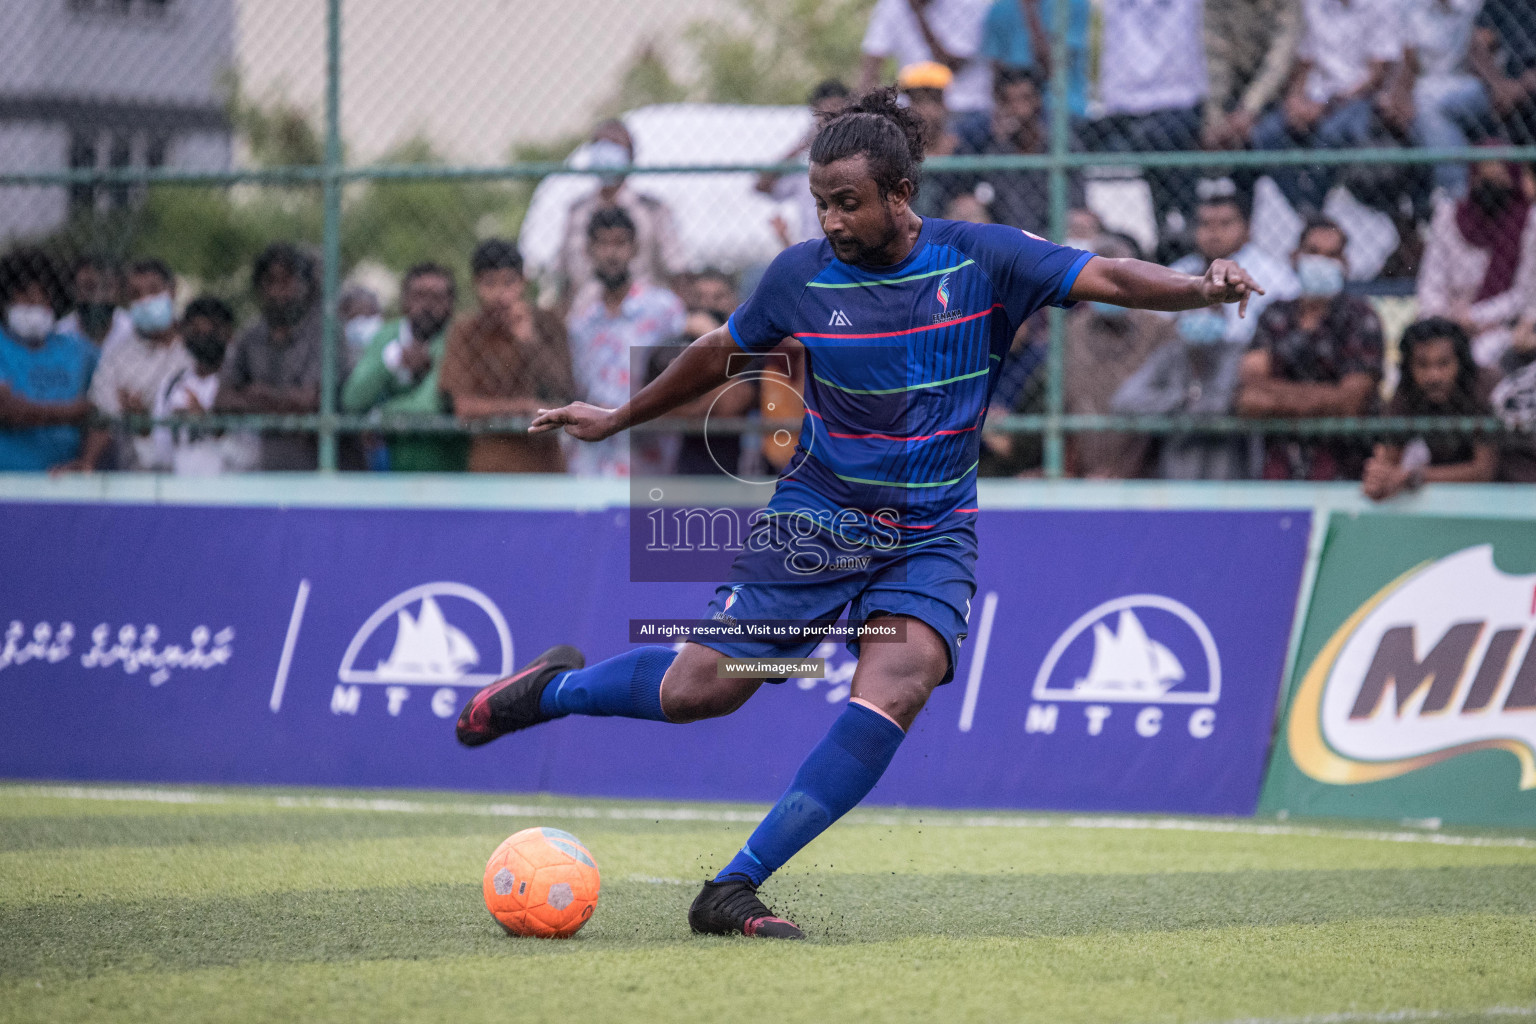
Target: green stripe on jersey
(891, 280)
(897, 483)
(892, 391)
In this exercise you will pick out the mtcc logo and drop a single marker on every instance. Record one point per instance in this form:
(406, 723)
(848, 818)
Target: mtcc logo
(1142, 649)
(442, 635)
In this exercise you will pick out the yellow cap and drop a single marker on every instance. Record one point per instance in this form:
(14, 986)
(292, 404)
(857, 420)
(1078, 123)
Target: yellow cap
(926, 74)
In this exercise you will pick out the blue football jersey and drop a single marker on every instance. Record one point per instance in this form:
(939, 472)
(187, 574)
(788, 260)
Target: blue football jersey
(901, 362)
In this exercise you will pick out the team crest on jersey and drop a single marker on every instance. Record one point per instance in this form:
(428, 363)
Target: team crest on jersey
(942, 295)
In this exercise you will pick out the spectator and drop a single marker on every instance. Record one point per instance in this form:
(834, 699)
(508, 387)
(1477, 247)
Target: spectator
(1503, 55)
(1250, 46)
(206, 328)
(1514, 401)
(923, 85)
(399, 372)
(132, 372)
(1449, 100)
(1008, 40)
(609, 323)
(1479, 264)
(1348, 48)
(1195, 374)
(361, 316)
(1083, 226)
(1019, 199)
(659, 256)
(1151, 84)
(947, 32)
(967, 206)
(273, 365)
(96, 289)
(1318, 355)
(1020, 390)
(715, 291)
(44, 372)
(1439, 379)
(1105, 345)
(826, 101)
(508, 359)
(718, 452)
(1221, 232)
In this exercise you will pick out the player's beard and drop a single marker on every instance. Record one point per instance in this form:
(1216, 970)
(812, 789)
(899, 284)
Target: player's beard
(852, 250)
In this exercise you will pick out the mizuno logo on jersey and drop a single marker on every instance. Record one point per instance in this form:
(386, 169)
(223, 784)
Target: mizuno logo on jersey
(839, 319)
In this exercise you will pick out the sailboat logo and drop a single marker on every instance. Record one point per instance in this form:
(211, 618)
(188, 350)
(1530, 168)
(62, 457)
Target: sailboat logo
(1129, 662)
(1130, 665)
(428, 649)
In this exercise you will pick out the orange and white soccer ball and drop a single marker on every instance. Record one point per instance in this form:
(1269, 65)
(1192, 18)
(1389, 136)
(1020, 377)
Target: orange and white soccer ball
(541, 882)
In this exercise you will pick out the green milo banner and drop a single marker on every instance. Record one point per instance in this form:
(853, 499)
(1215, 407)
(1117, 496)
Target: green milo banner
(1414, 693)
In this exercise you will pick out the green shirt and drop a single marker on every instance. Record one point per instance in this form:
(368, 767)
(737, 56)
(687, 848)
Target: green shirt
(374, 386)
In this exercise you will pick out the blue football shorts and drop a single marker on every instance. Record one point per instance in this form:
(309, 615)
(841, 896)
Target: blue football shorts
(809, 581)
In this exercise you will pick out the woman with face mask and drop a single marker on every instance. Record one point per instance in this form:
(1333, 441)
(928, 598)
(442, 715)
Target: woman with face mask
(1439, 379)
(1479, 264)
(44, 372)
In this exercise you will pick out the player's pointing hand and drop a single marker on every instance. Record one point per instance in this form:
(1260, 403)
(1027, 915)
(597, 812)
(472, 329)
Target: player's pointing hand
(582, 421)
(1225, 281)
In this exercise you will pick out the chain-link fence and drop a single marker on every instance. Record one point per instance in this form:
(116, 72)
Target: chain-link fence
(392, 231)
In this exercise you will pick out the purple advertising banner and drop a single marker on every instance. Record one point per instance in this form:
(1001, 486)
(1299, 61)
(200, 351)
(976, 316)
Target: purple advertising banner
(1123, 661)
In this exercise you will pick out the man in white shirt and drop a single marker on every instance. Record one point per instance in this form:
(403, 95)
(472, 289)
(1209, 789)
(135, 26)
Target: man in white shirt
(207, 326)
(1152, 81)
(660, 258)
(1221, 233)
(1447, 96)
(945, 31)
(131, 372)
(1348, 49)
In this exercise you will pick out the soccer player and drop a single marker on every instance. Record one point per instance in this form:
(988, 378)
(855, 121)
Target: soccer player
(905, 322)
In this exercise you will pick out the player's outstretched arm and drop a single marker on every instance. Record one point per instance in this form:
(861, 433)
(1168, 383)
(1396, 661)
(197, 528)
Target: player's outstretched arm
(702, 367)
(1142, 285)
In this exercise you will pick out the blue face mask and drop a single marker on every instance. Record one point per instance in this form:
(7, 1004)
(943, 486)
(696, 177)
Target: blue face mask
(1202, 327)
(153, 314)
(1320, 277)
(1108, 310)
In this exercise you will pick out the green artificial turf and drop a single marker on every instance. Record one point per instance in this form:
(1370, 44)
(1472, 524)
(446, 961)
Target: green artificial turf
(233, 905)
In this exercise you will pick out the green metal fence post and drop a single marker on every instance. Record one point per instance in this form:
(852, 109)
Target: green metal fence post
(1055, 364)
(330, 284)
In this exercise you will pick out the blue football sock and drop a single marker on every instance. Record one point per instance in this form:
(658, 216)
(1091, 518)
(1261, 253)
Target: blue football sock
(626, 686)
(839, 773)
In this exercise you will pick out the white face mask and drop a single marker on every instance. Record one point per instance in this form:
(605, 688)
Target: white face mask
(361, 329)
(153, 314)
(1319, 276)
(30, 323)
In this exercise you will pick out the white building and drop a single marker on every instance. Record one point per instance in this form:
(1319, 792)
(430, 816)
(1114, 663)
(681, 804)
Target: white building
(106, 84)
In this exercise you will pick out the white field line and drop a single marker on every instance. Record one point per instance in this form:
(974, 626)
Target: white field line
(1392, 1016)
(724, 816)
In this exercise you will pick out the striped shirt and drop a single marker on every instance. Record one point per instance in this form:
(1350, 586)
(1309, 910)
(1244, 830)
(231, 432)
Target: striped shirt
(901, 362)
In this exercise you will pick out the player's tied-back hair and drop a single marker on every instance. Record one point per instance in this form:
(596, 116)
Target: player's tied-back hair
(887, 135)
